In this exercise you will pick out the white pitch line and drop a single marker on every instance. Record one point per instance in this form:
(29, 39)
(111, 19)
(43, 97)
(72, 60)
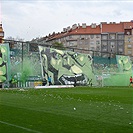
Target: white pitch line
(27, 129)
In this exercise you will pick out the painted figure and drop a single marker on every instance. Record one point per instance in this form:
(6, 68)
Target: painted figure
(66, 66)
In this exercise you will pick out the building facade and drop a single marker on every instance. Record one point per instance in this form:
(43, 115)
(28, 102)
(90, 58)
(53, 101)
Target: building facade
(128, 38)
(105, 39)
(112, 38)
(83, 38)
(1, 33)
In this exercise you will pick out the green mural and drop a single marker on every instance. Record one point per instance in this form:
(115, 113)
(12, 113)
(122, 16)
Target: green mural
(121, 77)
(124, 63)
(66, 67)
(4, 63)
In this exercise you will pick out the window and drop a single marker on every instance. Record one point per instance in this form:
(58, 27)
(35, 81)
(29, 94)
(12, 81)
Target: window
(105, 49)
(97, 36)
(112, 43)
(71, 44)
(97, 42)
(80, 42)
(67, 37)
(86, 42)
(112, 46)
(82, 36)
(104, 43)
(92, 42)
(128, 33)
(129, 52)
(120, 50)
(86, 48)
(91, 48)
(120, 36)
(129, 39)
(2, 34)
(129, 46)
(67, 43)
(91, 36)
(120, 43)
(112, 36)
(104, 37)
(86, 36)
(97, 48)
(70, 37)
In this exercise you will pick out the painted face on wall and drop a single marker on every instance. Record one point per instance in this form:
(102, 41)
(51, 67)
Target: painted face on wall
(124, 63)
(65, 66)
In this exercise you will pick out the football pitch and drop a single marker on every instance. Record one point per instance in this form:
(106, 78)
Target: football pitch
(67, 110)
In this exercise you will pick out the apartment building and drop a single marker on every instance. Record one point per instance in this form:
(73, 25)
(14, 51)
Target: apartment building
(112, 38)
(128, 39)
(82, 38)
(1, 33)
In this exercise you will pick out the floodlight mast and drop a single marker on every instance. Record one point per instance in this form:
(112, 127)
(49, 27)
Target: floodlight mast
(22, 55)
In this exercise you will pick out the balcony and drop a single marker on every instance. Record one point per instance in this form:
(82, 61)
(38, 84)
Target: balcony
(120, 50)
(71, 39)
(104, 50)
(129, 46)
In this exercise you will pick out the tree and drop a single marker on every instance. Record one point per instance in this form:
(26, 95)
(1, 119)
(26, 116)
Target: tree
(15, 39)
(58, 45)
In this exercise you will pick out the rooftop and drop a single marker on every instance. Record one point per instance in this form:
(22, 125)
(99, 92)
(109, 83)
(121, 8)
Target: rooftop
(103, 27)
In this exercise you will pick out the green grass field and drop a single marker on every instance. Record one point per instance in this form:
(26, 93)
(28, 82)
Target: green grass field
(67, 110)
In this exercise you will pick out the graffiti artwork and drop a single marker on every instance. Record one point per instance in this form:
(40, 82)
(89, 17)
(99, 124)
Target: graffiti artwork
(124, 63)
(4, 63)
(66, 67)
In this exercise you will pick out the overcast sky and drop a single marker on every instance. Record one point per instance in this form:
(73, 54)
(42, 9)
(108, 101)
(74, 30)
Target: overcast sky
(28, 19)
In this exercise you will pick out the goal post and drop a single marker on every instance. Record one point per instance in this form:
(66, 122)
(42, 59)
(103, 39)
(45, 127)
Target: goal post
(115, 79)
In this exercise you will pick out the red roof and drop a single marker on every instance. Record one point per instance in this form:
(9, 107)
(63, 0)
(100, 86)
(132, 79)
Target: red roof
(106, 28)
(87, 30)
(112, 27)
(78, 31)
(128, 25)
